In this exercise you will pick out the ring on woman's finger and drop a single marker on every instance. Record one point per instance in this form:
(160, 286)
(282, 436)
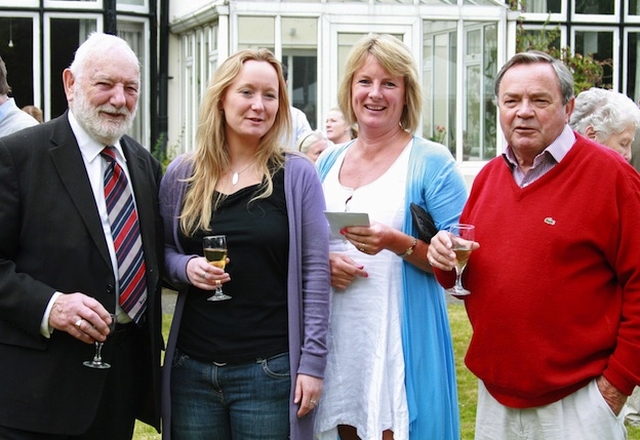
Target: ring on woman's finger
(79, 322)
(432, 261)
(313, 402)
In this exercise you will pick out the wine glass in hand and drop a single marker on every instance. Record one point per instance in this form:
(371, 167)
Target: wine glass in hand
(462, 237)
(97, 361)
(215, 251)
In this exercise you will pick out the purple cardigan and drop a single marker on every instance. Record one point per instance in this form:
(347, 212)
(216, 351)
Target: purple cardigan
(308, 280)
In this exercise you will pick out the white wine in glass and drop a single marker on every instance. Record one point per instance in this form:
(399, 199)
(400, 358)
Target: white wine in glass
(215, 251)
(462, 237)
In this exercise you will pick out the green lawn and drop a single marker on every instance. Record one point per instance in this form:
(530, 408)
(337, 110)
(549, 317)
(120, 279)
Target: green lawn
(467, 391)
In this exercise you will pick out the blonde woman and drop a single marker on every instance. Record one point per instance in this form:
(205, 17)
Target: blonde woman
(252, 366)
(390, 370)
(337, 128)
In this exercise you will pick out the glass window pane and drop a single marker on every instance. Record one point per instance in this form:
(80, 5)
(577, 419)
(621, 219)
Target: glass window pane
(542, 6)
(255, 32)
(634, 7)
(633, 51)
(133, 33)
(479, 130)
(300, 53)
(490, 71)
(66, 35)
(131, 2)
(599, 44)
(474, 42)
(594, 6)
(439, 82)
(538, 39)
(16, 39)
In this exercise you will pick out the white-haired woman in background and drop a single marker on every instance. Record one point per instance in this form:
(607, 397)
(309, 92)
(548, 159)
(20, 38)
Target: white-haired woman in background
(607, 117)
(314, 143)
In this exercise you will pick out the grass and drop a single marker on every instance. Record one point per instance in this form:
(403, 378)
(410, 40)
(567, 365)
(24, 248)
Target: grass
(467, 382)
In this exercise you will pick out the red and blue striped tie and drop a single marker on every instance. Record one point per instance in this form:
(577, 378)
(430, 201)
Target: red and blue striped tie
(125, 231)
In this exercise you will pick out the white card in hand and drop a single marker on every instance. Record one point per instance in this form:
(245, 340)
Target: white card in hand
(340, 220)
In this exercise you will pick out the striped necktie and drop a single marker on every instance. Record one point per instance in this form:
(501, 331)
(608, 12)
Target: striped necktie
(125, 231)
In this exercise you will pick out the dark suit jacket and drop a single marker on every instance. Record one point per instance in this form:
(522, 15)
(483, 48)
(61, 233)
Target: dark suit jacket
(51, 239)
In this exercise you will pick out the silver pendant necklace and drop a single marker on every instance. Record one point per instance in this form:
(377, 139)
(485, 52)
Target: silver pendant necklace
(236, 174)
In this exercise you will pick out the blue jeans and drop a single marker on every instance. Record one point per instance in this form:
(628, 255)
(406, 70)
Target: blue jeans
(230, 401)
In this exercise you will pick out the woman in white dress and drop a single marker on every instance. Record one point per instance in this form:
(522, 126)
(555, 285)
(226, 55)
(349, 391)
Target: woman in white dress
(390, 371)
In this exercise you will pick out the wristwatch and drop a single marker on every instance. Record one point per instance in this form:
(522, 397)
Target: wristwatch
(410, 250)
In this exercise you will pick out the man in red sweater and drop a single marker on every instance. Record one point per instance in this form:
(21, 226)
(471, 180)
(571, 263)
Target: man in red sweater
(555, 272)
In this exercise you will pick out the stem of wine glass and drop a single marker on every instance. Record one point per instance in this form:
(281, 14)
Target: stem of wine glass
(459, 285)
(98, 356)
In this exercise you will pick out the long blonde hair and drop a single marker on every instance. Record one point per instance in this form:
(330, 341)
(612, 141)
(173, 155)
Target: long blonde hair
(211, 157)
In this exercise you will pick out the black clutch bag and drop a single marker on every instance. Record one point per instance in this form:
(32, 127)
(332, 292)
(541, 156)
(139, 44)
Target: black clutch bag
(423, 222)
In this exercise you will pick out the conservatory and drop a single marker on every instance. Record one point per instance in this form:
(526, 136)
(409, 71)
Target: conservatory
(458, 47)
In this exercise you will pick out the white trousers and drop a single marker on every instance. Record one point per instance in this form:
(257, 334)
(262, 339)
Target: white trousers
(583, 415)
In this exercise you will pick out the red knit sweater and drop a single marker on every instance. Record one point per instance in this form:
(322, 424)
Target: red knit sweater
(555, 285)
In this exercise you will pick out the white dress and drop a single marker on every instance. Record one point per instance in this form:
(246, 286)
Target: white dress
(364, 379)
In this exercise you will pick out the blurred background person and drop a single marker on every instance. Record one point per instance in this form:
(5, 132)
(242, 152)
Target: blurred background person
(11, 117)
(299, 123)
(34, 111)
(607, 117)
(266, 346)
(390, 370)
(337, 128)
(313, 144)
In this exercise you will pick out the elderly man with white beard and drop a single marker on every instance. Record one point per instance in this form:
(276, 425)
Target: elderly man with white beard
(80, 259)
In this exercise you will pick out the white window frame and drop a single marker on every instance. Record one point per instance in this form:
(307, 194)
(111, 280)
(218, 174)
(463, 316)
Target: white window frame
(67, 4)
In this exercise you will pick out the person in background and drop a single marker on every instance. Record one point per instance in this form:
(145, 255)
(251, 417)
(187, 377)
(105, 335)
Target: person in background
(313, 144)
(607, 117)
(338, 131)
(61, 267)
(299, 123)
(554, 277)
(390, 371)
(12, 119)
(251, 366)
(34, 111)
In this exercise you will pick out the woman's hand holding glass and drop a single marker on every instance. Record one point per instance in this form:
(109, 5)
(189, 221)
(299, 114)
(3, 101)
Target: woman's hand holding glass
(204, 275)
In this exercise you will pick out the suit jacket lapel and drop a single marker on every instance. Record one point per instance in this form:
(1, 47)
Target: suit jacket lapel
(67, 159)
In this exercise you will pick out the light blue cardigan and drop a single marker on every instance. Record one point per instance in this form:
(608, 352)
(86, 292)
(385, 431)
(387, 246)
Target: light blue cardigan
(434, 183)
(308, 278)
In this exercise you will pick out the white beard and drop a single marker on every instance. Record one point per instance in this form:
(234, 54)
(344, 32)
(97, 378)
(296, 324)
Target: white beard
(105, 131)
